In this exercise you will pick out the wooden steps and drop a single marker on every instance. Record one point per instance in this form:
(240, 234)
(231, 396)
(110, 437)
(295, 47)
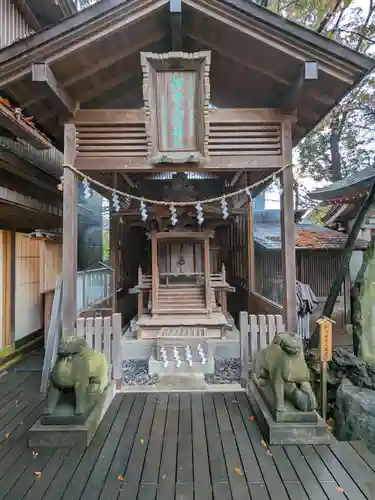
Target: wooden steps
(182, 300)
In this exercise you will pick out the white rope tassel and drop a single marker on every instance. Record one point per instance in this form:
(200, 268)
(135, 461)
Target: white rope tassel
(176, 355)
(201, 354)
(164, 356)
(188, 355)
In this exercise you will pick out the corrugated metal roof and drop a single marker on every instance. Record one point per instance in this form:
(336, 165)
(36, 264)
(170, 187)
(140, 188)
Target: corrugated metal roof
(352, 184)
(308, 237)
(13, 24)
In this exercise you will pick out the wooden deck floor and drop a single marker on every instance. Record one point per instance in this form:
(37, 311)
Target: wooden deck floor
(171, 446)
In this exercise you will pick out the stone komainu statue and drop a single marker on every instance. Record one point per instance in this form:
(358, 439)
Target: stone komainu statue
(282, 365)
(79, 369)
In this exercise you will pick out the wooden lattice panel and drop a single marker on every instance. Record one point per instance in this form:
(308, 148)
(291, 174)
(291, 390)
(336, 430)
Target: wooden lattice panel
(244, 138)
(183, 332)
(112, 139)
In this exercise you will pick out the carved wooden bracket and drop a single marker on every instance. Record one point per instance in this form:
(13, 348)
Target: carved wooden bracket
(176, 92)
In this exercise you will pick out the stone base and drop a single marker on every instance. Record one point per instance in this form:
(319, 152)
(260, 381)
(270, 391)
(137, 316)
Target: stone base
(70, 435)
(285, 432)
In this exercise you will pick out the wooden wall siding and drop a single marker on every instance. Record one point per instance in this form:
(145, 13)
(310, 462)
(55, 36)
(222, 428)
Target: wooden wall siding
(268, 271)
(316, 268)
(234, 248)
(50, 264)
(122, 133)
(29, 303)
(13, 25)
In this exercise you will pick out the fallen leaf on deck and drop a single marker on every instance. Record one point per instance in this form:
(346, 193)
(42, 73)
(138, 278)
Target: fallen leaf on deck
(340, 490)
(164, 476)
(238, 471)
(264, 444)
(37, 474)
(120, 478)
(269, 452)
(35, 454)
(252, 418)
(142, 441)
(6, 435)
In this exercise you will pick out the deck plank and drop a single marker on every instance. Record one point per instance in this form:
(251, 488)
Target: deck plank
(233, 460)
(113, 482)
(172, 447)
(341, 476)
(305, 474)
(184, 476)
(201, 468)
(81, 475)
(167, 473)
(133, 473)
(150, 473)
(94, 485)
(275, 486)
(215, 450)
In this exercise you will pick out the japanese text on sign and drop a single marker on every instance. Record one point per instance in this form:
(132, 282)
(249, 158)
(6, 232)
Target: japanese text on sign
(326, 341)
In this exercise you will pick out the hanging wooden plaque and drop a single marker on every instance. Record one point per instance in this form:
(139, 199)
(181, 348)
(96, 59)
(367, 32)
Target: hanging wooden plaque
(176, 94)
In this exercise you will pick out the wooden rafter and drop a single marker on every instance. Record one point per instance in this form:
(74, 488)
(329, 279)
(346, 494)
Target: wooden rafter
(20, 128)
(175, 16)
(44, 77)
(308, 74)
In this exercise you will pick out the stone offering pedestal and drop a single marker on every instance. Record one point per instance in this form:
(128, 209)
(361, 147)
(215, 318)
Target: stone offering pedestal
(290, 427)
(77, 431)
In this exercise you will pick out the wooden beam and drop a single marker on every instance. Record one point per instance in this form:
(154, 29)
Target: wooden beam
(141, 164)
(44, 77)
(15, 198)
(21, 128)
(288, 236)
(175, 17)
(308, 74)
(70, 236)
(114, 246)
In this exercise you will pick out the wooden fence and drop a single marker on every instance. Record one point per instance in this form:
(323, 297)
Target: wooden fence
(256, 332)
(104, 335)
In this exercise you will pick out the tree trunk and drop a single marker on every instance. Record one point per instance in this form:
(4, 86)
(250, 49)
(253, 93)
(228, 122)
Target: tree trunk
(335, 154)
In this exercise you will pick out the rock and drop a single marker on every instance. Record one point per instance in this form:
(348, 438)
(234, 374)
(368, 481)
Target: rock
(135, 372)
(355, 414)
(227, 371)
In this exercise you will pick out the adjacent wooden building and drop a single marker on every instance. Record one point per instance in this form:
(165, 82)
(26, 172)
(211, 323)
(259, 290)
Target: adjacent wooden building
(179, 101)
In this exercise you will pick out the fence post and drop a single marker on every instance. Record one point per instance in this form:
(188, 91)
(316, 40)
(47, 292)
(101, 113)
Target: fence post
(244, 347)
(116, 349)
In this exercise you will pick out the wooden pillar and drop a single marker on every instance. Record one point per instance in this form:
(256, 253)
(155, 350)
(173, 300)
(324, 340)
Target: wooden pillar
(154, 270)
(70, 242)
(288, 237)
(114, 249)
(250, 254)
(207, 273)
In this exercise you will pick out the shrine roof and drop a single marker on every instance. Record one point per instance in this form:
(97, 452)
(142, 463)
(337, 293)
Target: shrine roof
(348, 189)
(308, 237)
(257, 58)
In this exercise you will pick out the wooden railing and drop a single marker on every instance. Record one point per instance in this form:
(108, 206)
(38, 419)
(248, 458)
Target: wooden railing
(93, 286)
(256, 332)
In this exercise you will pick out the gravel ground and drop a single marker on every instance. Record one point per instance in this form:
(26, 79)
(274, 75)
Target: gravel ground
(135, 372)
(227, 371)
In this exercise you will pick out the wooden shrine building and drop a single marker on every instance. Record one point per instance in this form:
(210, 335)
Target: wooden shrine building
(179, 101)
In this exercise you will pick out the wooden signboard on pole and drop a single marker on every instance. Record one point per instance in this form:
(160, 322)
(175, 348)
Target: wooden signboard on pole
(325, 348)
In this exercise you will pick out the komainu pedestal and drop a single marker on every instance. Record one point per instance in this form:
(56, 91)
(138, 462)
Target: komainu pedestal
(78, 396)
(281, 394)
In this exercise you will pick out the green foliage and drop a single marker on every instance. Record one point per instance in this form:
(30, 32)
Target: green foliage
(343, 142)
